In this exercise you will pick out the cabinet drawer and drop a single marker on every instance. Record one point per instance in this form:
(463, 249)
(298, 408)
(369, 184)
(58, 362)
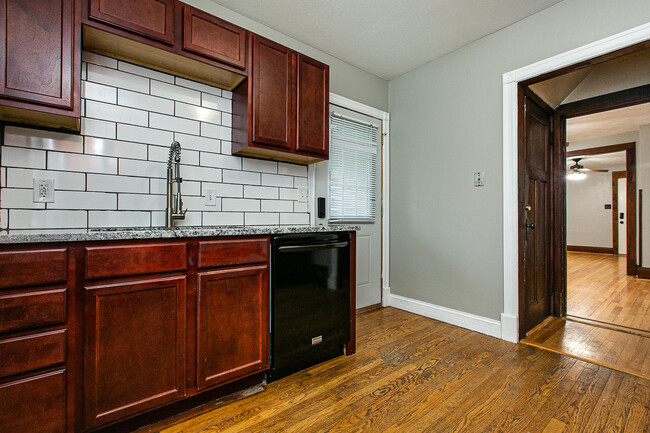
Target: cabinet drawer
(233, 252)
(151, 18)
(30, 352)
(211, 37)
(30, 310)
(34, 402)
(123, 260)
(27, 268)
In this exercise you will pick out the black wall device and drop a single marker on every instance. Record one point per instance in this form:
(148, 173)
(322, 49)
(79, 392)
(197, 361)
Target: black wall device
(321, 207)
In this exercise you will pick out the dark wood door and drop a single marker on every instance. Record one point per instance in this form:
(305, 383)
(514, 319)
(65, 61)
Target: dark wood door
(233, 324)
(312, 105)
(37, 51)
(151, 18)
(273, 94)
(134, 347)
(535, 276)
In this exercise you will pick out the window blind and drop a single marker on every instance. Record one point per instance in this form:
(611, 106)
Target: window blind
(352, 170)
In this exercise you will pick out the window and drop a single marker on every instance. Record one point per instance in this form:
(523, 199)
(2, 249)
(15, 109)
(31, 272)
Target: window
(352, 170)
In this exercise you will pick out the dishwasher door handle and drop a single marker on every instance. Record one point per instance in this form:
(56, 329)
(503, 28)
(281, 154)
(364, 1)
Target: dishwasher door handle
(314, 247)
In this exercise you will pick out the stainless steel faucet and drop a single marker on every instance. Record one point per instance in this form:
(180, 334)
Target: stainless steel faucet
(174, 209)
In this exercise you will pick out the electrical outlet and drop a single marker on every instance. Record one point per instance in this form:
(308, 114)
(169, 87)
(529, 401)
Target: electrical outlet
(43, 190)
(303, 193)
(479, 178)
(210, 197)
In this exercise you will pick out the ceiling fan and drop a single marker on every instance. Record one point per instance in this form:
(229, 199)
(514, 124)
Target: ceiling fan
(578, 171)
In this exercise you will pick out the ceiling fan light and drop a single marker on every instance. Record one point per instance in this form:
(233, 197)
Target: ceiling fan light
(576, 175)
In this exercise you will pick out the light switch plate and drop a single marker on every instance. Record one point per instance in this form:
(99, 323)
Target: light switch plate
(210, 197)
(303, 194)
(43, 190)
(479, 178)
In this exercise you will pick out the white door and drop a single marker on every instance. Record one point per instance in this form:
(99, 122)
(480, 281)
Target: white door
(622, 215)
(369, 237)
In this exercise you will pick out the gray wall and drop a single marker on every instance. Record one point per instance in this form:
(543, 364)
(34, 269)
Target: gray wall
(345, 79)
(446, 123)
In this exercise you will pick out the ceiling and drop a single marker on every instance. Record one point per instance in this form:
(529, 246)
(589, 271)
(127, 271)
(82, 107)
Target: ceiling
(608, 122)
(386, 37)
(608, 161)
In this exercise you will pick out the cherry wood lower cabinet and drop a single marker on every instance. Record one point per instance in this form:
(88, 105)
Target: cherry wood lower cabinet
(134, 347)
(233, 324)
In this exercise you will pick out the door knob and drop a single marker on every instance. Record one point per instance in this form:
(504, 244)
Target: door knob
(528, 208)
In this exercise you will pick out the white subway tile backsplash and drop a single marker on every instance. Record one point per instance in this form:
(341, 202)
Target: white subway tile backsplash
(83, 200)
(176, 93)
(47, 219)
(240, 205)
(105, 147)
(261, 219)
(141, 202)
(19, 157)
(111, 183)
(277, 206)
(215, 131)
(221, 161)
(294, 219)
(13, 198)
(139, 134)
(116, 113)
(98, 92)
(267, 192)
(44, 140)
(144, 72)
(104, 219)
(97, 128)
(176, 124)
(194, 112)
(241, 177)
(134, 167)
(261, 165)
(81, 163)
(277, 180)
(183, 82)
(115, 78)
(98, 59)
(141, 101)
(63, 180)
(217, 103)
(292, 169)
(223, 219)
(114, 173)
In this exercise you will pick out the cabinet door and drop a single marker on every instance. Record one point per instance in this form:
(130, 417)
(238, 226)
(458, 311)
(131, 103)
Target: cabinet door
(34, 404)
(233, 324)
(151, 18)
(211, 37)
(313, 100)
(134, 347)
(273, 94)
(37, 51)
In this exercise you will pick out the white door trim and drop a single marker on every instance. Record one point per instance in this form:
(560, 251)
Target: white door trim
(385, 175)
(510, 315)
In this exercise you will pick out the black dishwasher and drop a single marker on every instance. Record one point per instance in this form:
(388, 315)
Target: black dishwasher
(310, 300)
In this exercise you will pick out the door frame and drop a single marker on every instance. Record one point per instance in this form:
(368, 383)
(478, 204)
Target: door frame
(596, 52)
(384, 116)
(616, 175)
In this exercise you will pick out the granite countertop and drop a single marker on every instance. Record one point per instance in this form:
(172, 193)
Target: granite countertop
(163, 233)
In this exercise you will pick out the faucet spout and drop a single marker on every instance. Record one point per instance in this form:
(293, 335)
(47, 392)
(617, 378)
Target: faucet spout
(174, 208)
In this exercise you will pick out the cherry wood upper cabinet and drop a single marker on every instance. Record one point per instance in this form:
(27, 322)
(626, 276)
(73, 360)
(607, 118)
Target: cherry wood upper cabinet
(151, 18)
(134, 347)
(233, 324)
(212, 37)
(40, 57)
(313, 100)
(273, 103)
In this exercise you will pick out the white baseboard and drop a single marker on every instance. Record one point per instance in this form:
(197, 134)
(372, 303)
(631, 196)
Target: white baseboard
(509, 328)
(469, 321)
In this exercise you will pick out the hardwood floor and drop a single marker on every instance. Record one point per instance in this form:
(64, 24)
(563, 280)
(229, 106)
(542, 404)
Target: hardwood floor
(599, 289)
(413, 374)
